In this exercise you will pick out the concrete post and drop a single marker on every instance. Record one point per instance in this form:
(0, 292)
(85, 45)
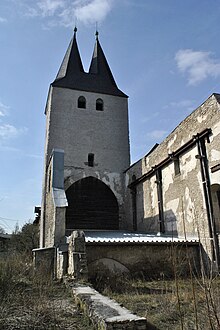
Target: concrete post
(77, 267)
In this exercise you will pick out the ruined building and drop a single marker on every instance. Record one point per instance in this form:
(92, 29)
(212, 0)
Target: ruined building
(175, 188)
(131, 215)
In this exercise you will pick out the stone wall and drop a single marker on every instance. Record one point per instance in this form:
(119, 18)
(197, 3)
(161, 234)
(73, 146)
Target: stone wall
(106, 313)
(151, 261)
(53, 223)
(44, 261)
(77, 258)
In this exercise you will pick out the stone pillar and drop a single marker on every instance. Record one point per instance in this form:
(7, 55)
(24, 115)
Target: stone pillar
(44, 261)
(62, 257)
(77, 266)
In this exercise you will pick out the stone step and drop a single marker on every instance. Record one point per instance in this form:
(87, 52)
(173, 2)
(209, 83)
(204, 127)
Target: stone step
(106, 313)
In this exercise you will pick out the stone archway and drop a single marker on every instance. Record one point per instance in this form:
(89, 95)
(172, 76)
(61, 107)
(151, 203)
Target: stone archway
(91, 205)
(215, 193)
(106, 267)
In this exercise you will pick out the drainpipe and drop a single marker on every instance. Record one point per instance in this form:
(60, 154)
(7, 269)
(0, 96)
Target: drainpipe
(134, 204)
(202, 156)
(160, 199)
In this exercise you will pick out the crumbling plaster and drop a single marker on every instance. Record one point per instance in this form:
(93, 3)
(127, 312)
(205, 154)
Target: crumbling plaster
(183, 197)
(209, 111)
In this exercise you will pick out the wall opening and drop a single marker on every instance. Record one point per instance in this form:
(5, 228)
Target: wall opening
(160, 199)
(91, 160)
(82, 102)
(215, 193)
(99, 104)
(91, 205)
(134, 204)
(176, 161)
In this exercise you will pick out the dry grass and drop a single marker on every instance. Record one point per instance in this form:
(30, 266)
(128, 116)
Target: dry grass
(37, 302)
(34, 302)
(182, 304)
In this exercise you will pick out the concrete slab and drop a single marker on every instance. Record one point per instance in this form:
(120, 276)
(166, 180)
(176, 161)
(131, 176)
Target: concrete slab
(106, 313)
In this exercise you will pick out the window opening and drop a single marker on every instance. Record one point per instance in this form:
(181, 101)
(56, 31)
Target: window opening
(134, 203)
(99, 104)
(176, 165)
(82, 102)
(91, 160)
(160, 199)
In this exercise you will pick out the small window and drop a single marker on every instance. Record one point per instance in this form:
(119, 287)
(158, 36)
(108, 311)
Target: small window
(91, 160)
(176, 166)
(82, 102)
(99, 104)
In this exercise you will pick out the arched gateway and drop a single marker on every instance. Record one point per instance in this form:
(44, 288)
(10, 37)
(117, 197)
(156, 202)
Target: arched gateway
(91, 205)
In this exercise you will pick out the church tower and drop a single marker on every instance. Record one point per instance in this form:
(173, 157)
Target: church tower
(86, 149)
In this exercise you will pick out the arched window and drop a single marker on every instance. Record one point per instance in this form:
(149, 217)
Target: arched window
(99, 104)
(82, 102)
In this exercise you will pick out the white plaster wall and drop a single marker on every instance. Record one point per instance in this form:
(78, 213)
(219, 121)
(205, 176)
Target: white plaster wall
(82, 131)
(188, 162)
(215, 177)
(167, 177)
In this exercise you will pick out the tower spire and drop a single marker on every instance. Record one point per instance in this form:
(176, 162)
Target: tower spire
(96, 31)
(99, 78)
(71, 66)
(99, 65)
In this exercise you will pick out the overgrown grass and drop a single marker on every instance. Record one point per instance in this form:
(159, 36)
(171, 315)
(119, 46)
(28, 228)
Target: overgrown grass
(169, 304)
(31, 301)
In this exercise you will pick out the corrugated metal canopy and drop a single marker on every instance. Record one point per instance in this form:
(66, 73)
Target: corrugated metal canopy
(115, 237)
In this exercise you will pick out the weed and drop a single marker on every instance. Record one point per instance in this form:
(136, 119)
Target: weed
(34, 301)
(165, 305)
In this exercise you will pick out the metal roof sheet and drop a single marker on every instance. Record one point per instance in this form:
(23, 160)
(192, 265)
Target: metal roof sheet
(59, 197)
(115, 237)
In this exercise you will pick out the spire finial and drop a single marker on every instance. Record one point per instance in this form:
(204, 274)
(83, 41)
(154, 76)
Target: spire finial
(75, 29)
(96, 33)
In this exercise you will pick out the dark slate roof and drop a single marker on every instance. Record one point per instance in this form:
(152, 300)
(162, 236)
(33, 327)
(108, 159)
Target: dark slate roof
(99, 79)
(72, 63)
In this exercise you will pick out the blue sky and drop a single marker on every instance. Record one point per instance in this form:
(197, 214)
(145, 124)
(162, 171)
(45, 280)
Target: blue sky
(164, 54)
